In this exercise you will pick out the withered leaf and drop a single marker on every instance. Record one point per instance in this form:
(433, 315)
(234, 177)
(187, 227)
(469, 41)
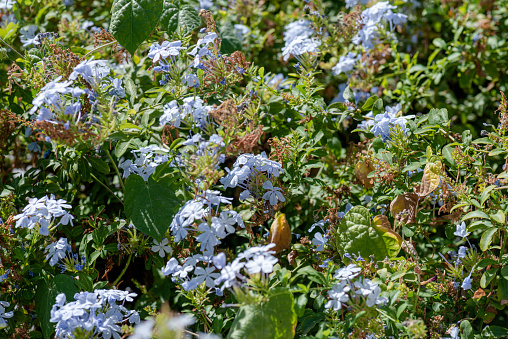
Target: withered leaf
(409, 248)
(406, 203)
(362, 170)
(431, 178)
(479, 293)
(280, 234)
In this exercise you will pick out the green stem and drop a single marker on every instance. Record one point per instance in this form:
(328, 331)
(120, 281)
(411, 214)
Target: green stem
(124, 270)
(106, 187)
(116, 169)
(100, 47)
(20, 55)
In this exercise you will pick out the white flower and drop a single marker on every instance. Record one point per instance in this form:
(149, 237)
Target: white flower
(162, 247)
(143, 330)
(206, 274)
(261, 263)
(274, 193)
(461, 230)
(462, 252)
(348, 272)
(455, 333)
(466, 284)
(338, 295)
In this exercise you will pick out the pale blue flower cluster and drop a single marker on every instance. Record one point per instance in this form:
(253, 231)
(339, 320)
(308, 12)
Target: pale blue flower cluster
(371, 23)
(255, 260)
(146, 160)
(364, 289)
(212, 228)
(192, 111)
(4, 315)
(52, 96)
(301, 28)
(61, 252)
(346, 63)
(245, 172)
(100, 314)
(43, 212)
(241, 30)
(300, 46)
(382, 124)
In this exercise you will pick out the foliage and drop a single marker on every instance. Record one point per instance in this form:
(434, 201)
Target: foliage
(237, 169)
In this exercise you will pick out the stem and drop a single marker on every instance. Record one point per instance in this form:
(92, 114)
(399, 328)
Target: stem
(99, 47)
(18, 53)
(106, 187)
(124, 270)
(116, 170)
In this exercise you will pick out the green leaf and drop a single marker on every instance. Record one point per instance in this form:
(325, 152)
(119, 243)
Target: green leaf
(45, 296)
(130, 90)
(151, 206)
(448, 155)
(487, 277)
(230, 41)
(486, 239)
(369, 103)
(504, 272)
(502, 288)
(498, 217)
(476, 214)
(99, 164)
(358, 233)
(176, 17)
(132, 21)
(378, 107)
(467, 330)
(121, 148)
(438, 42)
(495, 332)
(438, 116)
(275, 318)
(486, 194)
(348, 94)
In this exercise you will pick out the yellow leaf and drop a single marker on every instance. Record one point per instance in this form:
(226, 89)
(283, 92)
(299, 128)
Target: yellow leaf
(431, 178)
(280, 234)
(362, 170)
(392, 239)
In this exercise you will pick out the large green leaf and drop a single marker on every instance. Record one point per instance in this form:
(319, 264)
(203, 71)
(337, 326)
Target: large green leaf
(357, 232)
(275, 318)
(132, 21)
(230, 41)
(45, 299)
(176, 16)
(151, 206)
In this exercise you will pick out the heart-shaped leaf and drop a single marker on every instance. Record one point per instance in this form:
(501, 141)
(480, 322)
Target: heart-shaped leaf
(132, 21)
(150, 206)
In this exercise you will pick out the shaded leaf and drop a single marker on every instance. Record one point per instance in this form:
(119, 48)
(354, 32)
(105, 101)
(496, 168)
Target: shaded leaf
(150, 206)
(132, 21)
(176, 16)
(406, 203)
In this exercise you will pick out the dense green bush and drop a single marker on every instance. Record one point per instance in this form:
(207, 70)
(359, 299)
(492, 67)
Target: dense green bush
(253, 169)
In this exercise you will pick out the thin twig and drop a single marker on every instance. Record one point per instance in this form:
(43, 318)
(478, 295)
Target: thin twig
(99, 47)
(106, 187)
(20, 55)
